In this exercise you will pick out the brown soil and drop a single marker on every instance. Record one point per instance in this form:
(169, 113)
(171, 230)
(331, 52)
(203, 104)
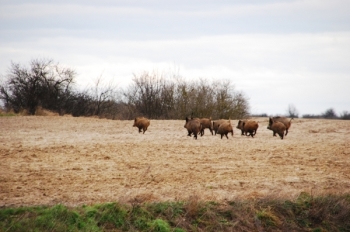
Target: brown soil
(73, 161)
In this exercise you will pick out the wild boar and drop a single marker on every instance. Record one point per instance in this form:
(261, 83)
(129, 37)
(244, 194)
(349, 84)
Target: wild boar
(206, 123)
(141, 123)
(276, 127)
(225, 128)
(248, 127)
(193, 126)
(240, 126)
(217, 123)
(287, 122)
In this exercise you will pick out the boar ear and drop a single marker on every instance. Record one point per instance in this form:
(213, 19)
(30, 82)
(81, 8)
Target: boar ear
(243, 123)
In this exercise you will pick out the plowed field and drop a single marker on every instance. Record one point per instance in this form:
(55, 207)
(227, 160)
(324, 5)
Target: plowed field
(46, 160)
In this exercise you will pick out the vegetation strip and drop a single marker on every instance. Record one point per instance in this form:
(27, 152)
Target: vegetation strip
(307, 212)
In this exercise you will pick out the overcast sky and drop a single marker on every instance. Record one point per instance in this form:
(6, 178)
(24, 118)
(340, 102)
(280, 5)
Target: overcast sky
(276, 52)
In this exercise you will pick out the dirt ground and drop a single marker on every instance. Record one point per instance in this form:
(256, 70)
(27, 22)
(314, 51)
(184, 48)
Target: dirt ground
(46, 160)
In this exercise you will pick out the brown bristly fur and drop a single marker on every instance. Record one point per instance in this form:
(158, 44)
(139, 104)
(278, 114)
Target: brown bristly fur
(141, 123)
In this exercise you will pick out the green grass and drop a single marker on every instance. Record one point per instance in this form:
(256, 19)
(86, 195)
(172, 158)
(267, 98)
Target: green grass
(306, 213)
(4, 114)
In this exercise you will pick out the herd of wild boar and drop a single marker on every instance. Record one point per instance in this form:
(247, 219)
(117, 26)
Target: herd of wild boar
(196, 126)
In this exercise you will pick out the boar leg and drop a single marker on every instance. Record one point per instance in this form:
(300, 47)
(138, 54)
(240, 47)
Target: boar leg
(281, 135)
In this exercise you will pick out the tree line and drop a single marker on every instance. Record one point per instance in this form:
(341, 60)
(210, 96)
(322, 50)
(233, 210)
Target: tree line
(48, 85)
(330, 113)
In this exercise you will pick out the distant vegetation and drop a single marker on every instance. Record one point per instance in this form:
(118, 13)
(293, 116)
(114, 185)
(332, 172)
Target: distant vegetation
(50, 86)
(306, 213)
(328, 114)
(47, 85)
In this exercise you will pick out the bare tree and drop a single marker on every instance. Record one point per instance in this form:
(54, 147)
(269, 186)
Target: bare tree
(230, 103)
(184, 98)
(151, 94)
(204, 99)
(44, 84)
(240, 106)
(158, 97)
(329, 114)
(80, 104)
(292, 111)
(345, 115)
(104, 98)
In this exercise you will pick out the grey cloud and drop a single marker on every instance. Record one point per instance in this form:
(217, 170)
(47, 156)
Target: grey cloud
(164, 19)
(272, 50)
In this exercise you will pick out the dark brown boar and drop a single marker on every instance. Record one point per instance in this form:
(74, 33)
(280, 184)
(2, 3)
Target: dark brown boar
(193, 126)
(217, 123)
(206, 124)
(225, 128)
(276, 127)
(142, 123)
(240, 126)
(248, 127)
(287, 122)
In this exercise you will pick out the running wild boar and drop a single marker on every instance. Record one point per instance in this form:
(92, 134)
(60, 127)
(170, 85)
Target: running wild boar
(248, 127)
(287, 122)
(193, 126)
(142, 123)
(217, 123)
(225, 128)
(276, 127)
(206, 124)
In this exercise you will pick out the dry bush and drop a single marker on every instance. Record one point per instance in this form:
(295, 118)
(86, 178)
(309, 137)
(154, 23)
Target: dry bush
(43, 112)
